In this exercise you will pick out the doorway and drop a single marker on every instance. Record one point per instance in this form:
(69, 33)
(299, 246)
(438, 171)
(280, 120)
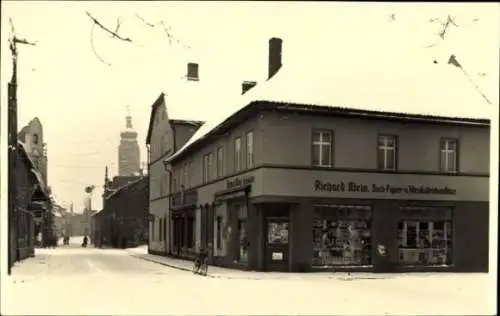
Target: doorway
(277, 246)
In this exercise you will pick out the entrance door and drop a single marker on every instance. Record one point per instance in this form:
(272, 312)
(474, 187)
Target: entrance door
(277, 250)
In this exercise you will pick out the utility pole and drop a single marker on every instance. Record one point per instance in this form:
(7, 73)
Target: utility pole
(12, 140)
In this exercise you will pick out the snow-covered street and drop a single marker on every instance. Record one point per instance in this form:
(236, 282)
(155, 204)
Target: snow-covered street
(74, 280)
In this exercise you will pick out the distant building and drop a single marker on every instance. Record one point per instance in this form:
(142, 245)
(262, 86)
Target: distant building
(128, 151)
(123, 221)
(32, 137)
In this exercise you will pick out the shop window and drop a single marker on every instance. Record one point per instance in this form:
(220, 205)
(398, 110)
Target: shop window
(425, 242)
(277, 233)
(218, 235)
(387, 152)
(448, 155)
(341, 235)
(243, 238)
(322, 148)
(191, 233)
(152, 225)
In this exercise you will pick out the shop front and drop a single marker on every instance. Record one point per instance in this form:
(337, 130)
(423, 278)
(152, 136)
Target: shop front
(302, 220)
(183, 219)
(373, 222)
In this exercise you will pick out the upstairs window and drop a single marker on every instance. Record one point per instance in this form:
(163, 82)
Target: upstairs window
(322, 148)
(207, 167)
(220, 162)
(448, 155)
(387, 152)
(250, 155)
(237, 154)
(210, 166)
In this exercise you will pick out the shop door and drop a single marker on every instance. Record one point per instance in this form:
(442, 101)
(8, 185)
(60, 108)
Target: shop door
(277, 248)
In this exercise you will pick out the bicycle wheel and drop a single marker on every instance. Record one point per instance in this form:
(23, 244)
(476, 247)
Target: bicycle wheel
(195, 267)
(205, 266)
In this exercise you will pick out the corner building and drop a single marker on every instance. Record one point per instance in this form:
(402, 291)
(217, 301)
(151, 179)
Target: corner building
(299, 186)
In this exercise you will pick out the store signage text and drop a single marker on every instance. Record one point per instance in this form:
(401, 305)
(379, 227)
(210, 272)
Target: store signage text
(350, 186)
(239, 182)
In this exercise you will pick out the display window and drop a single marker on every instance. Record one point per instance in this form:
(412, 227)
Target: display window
(425, 242)
(341, 235)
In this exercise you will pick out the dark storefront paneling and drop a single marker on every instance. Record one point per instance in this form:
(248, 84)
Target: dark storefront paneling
(471, 236)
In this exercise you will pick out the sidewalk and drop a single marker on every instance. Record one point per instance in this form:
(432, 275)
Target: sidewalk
(226, 273)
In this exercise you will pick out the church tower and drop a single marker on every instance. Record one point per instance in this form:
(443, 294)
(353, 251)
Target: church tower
(128, 150)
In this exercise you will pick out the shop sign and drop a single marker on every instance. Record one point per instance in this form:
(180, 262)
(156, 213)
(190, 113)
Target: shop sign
(234, 183)
(353, 187)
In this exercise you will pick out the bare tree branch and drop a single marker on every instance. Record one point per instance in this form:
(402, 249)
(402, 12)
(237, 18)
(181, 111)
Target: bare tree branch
(144, 21)
(445, 25)
(171, 37)
(118, 24)
(114, 34)
(166, 30)
(93, 47)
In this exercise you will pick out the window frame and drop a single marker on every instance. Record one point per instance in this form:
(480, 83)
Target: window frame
(321, 143)
(237, 155)
(250, 152)
(384, 167)
(210, 166)
(220, 162)
(204, 168)
(441, 151)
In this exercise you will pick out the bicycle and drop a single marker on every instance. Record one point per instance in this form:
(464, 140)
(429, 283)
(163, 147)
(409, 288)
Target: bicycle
(200, 265)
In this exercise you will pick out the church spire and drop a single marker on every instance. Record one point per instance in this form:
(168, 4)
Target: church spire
(128, 119)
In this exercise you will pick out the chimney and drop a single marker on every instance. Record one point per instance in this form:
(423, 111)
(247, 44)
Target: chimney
(275, 46)
(193, 72)
(247, 85)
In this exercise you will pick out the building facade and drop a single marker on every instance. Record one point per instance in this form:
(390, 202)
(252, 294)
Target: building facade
(298, 192)
(165, 136)
(32, 202)
(301, 185)
(123, 221)
(129, 157)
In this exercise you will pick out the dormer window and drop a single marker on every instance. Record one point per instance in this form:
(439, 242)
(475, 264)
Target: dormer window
(35, 139)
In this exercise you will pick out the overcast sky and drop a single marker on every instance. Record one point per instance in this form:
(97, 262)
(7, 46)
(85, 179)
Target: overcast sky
(81, 100)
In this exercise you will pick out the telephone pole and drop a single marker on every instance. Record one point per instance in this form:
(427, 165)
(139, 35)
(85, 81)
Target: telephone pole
(12, 145)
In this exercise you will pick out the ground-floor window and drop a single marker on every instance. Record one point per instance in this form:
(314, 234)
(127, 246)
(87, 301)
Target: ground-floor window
(243, 239)
(218, 235)
(425, 242)
(191, 232)
(341, 235)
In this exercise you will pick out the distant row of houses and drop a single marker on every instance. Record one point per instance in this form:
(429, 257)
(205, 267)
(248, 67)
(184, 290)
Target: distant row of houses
(310, 170)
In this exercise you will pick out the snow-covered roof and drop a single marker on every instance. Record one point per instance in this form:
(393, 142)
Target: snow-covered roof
(125, 186)
(33, 169)
(417, 88)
